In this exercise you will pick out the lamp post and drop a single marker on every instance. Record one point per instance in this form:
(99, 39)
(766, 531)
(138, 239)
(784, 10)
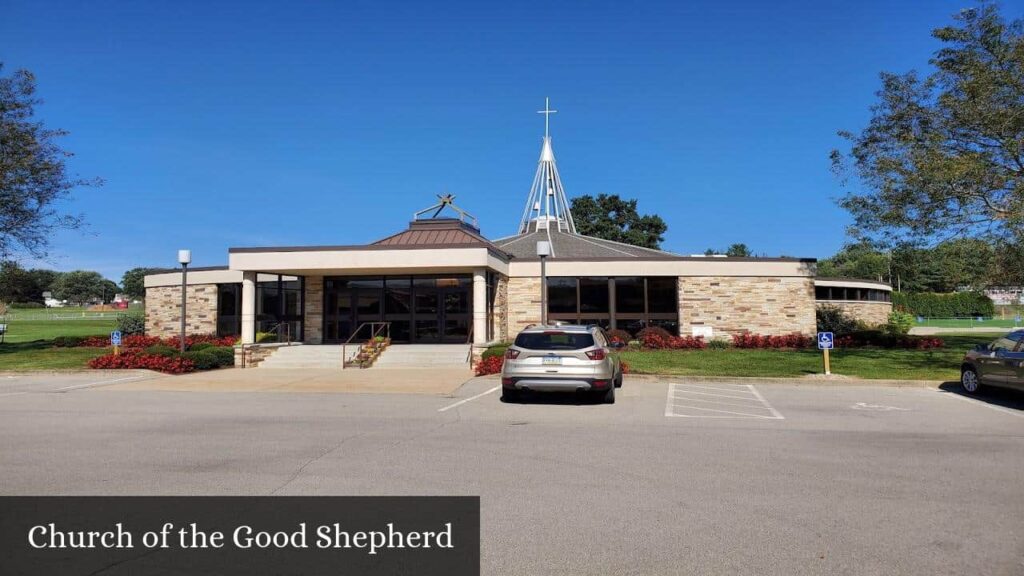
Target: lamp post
(184, 257)
(543, 251)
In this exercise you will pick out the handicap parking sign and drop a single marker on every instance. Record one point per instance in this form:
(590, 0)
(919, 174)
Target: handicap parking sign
(115, 338)
(825, 341)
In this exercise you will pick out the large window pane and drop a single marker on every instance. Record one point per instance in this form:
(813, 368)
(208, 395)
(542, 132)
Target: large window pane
(562, 295)
(593, 295)
(661, 295)
(629, 295)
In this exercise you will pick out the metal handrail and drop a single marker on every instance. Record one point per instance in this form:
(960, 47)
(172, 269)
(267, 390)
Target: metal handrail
(276, 329)
(469, 340)
(375, 330)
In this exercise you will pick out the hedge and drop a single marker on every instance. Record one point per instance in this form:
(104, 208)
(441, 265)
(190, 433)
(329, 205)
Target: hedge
(953, 305)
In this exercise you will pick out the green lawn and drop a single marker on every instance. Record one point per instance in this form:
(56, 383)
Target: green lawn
(994, 323)
(41, 355)
(941, 364)
(31, 330)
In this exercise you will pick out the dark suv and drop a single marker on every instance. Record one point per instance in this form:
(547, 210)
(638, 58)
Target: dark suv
(1000, 363)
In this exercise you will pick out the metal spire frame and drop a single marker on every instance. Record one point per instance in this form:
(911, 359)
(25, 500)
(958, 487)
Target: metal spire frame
(547, 202)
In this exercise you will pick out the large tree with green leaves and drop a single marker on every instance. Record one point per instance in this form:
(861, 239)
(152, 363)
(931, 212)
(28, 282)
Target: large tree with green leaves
(33, 176)
(133, 282)
(83, 286)
(612, 218)
(943, 154)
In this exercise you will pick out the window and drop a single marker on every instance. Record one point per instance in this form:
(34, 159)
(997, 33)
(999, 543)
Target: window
(825, 293)
(629, 295)
(229, 309)
(662, 295)
(637, 302)
(554, 340)
(562, 296)
(594, 295)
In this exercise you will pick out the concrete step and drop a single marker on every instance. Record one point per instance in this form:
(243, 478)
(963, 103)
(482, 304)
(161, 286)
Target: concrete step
(424, 355)
(306, 356)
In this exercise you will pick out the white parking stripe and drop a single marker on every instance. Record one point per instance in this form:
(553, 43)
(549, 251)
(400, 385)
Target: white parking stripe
(470, 399)
(101, 383)
(948, 394)
(743, 402)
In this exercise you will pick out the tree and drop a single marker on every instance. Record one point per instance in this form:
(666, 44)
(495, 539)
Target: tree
(738, 251)
(15, 283)
(82, 286)
(943, 155)
(857, 260)
(132, 282)
(612, 218)
(33, 176)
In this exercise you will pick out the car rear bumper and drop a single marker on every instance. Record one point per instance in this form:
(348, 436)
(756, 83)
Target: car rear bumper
(549, 384)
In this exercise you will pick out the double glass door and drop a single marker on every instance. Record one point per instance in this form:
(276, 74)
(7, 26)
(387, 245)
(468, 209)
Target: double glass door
(421, 309)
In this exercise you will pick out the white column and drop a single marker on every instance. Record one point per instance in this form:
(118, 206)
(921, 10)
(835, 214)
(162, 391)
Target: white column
(479, 305)
(248, 307)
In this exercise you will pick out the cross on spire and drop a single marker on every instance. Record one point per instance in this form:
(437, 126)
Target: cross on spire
(547, 112)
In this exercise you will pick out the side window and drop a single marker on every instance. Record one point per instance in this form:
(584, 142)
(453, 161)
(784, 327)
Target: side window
(1017, 337)
(1004, 344)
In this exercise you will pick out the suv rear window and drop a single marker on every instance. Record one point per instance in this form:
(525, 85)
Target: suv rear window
(554, 340)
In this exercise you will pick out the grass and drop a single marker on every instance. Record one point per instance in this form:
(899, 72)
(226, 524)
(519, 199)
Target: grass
(21, 331)
(994, 323)
(41, 355)
(940, 364)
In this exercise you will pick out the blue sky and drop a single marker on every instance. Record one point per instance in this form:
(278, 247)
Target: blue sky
(219, 124)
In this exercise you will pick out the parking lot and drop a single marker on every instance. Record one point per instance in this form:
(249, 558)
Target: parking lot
(679, 476)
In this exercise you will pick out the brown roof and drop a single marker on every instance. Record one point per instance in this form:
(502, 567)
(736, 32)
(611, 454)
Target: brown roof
(436, 232)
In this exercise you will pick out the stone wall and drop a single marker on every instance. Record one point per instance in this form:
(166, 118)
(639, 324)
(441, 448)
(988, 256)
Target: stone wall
(736, 304)
(314, 312)
(163, 310)
(523, 304)
(872, 313)
(501, 309)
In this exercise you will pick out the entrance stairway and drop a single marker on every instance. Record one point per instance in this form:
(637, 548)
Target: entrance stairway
(306, 356)
(424, 356)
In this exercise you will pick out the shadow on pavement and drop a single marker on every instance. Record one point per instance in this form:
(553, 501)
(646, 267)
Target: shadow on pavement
(560, 399)
(1005, 397)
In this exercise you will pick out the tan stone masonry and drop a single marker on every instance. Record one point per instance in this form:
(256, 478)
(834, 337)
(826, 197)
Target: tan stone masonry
(736, 304)
(872, 313)
(523, 304)
(314, 312)
(163, 310)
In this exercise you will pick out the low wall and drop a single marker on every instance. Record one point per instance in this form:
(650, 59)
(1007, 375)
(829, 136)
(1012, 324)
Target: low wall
(872, 313)
(163, 310)
(737, 304)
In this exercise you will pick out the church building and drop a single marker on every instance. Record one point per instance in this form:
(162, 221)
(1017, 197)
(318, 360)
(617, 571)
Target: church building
(441, 280)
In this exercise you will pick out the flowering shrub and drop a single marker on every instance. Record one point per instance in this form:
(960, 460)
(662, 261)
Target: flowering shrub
(134, 359)
(656, 341)
(795, 340)
(652, 330)
(883, 340)
(141, 341)
(619, 335)
(625, 367)
(491, 365)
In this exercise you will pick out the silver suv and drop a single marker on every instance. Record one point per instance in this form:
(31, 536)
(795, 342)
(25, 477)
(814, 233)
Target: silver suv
(561, 357)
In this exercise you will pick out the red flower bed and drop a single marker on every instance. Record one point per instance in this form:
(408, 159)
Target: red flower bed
(140, 341)
(795, 340)
(490, 365)
(133, 359)
(625, 367)
(656, 341)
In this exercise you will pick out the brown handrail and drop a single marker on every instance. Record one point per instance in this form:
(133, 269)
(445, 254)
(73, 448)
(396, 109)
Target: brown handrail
(276, 329)
(469, 340)
(376, 328)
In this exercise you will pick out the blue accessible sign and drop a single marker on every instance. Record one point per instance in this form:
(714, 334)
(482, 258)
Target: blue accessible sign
(825, 341)
(115, 338)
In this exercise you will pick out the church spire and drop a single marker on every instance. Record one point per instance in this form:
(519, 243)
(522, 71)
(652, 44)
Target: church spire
(547, 203)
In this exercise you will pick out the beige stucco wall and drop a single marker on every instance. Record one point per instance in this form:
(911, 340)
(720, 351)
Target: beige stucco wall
(523, 304)
(759, 305)
(163, 310)
(872, 313)
(314, 312)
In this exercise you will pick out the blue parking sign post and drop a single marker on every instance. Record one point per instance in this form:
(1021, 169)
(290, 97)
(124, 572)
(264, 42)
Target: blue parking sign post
(826, 341)
(115, 341)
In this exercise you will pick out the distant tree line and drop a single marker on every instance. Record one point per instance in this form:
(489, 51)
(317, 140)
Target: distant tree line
(23, 286)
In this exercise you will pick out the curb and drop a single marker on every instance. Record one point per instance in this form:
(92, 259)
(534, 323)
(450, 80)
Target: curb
(804, 381)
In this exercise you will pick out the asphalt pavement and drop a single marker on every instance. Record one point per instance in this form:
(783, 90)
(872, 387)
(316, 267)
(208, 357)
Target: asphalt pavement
(678, 477)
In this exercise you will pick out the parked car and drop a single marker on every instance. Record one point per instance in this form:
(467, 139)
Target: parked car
(1000, 363)
(561, 357)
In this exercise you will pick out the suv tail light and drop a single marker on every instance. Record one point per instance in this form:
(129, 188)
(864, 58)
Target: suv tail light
(511, 354)
(598, 354)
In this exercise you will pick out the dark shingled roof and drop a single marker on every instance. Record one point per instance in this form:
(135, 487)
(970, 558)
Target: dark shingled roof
(565, 246)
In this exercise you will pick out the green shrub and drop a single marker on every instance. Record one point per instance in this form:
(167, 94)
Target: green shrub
(68, 341)
(899, 323)
(952, 305)
(161, 350)
(718, 344)
(266, 337)
(200, 346)
(202, 359)
(835, 320)
(130, 324)
(495, 351)
(225, 355)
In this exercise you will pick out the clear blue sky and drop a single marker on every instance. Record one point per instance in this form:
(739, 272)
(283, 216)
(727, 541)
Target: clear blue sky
(219, 124)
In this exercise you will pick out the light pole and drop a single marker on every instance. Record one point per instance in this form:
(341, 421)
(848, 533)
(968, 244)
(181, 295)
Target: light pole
(184, 257)
(543, 250)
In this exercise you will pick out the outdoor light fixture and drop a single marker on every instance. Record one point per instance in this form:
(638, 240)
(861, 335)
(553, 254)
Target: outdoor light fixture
(543, 251)
(184, 258)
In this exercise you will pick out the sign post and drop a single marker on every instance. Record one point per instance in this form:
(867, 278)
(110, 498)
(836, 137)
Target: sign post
(826, 341)
(115, 341)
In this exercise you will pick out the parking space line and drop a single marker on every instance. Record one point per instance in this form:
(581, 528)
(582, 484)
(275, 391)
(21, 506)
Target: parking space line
(737, 387)
(681, 399)
(981, 403)
(101, 383)
(470, 399)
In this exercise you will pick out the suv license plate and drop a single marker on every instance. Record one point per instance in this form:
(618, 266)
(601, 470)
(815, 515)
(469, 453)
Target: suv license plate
(552, 360)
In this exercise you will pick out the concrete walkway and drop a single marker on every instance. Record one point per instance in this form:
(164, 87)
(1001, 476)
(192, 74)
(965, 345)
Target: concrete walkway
(436, 381)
